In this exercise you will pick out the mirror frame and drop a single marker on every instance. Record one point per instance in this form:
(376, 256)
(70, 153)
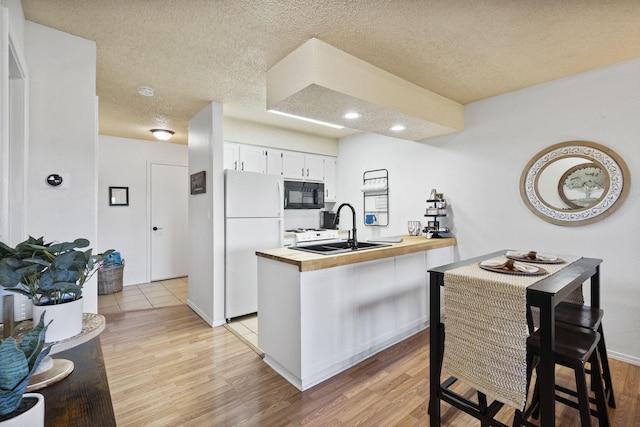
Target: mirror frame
(612, 164)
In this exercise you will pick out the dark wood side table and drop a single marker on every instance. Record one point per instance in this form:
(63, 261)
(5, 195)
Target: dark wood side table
(545, 294)
(83, 398)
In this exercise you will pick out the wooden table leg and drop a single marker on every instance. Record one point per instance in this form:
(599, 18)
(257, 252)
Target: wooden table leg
(435, 348)
(547, 363)
(595, 288)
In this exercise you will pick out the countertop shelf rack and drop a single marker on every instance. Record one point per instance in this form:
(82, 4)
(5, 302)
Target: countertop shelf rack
(436, 208)
(375, 190)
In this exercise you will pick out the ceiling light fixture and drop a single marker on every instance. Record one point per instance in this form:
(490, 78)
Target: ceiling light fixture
(351, 115)
(306, 119)
(397, 128)
(162, 134)
(145, 90)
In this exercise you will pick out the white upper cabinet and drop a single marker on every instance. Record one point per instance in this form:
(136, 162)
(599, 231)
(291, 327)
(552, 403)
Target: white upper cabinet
(244, 157)
(252, 159)
(314, 167)
(301, 166)
(231, 155)
(293, 165)
(330, 179)
(274, 161)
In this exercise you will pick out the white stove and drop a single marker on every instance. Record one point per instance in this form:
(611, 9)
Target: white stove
(303, 236)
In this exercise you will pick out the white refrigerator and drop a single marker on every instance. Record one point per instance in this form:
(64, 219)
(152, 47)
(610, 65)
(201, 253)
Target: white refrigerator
(254, 220)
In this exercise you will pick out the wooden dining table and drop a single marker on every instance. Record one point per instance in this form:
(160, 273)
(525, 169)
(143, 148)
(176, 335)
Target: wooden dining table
(544, 294)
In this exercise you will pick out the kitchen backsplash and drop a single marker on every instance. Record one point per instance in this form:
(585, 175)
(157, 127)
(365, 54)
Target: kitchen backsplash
(301, 218)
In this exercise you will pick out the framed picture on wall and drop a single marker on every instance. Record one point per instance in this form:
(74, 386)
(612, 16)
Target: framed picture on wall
(118, 196)
(199, 183)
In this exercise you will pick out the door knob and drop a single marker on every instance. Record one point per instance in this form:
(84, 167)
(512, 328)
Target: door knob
(156, 228)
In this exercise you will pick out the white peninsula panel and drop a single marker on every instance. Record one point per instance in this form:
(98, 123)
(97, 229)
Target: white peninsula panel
(315, 324)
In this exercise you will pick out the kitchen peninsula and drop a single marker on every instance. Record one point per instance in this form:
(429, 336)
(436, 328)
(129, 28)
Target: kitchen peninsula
(321, 314)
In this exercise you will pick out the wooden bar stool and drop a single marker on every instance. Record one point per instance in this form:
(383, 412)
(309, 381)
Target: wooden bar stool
(589, 318)
(574, 348)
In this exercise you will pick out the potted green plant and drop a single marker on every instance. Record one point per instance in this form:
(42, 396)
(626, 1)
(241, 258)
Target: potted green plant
(52, 275)
(19, 362)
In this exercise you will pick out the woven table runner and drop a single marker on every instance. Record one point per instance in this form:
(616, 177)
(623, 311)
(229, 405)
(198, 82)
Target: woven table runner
(486, 329)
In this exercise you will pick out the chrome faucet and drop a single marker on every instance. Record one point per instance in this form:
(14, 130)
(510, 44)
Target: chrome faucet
(353, 240)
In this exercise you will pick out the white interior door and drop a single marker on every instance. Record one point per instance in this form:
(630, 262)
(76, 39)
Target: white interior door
(169, 221)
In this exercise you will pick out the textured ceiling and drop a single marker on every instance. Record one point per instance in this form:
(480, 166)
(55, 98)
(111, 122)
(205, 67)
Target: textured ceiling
(193, 52)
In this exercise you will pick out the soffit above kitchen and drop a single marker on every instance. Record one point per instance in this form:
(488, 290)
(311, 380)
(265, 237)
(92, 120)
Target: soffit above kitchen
(321, 82)
(195, 52)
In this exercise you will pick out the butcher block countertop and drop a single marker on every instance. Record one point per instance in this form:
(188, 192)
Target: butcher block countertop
(307, 261)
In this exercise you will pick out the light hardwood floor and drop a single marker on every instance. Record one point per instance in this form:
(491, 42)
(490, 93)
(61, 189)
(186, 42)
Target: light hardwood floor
(167, 367)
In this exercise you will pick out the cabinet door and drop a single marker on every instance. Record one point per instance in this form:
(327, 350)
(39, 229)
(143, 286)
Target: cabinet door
(313, 167)
(231, 155)
(252, 159)
(293, 165)
(329, 179)
(274, 161)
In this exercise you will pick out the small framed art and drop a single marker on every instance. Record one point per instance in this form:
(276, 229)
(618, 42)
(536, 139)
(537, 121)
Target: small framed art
(199, 183)
(118, 196)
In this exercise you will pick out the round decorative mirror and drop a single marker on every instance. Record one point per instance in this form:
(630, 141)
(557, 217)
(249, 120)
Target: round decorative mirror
(574, 183)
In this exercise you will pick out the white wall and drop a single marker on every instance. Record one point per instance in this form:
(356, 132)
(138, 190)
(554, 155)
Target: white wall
(62, 139)
(13, 126)
(16, 21)
(269, 136)
(479, 170)
(125, 162)
(206, 216)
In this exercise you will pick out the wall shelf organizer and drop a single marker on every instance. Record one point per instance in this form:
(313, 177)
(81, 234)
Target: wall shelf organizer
(375, 190)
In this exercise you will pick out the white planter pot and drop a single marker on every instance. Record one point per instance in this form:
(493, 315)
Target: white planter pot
(67, 319)
(34, 417)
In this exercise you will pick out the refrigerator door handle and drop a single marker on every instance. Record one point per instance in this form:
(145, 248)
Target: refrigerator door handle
(281, 198)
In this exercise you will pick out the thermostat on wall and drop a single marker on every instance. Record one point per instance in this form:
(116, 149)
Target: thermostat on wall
(54, 180)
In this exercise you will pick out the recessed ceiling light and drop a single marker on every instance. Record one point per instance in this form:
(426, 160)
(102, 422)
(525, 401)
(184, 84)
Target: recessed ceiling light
(162, 134)
(145, 90)
(351, 115)
(307, 119)
(398, 128)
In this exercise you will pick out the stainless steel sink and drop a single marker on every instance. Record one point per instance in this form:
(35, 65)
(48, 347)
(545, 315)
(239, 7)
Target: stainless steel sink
(338, 247)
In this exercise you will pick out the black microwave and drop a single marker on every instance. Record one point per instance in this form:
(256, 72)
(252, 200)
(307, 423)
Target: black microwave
(303, 195)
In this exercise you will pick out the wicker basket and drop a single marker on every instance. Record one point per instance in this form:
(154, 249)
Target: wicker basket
(110, 280)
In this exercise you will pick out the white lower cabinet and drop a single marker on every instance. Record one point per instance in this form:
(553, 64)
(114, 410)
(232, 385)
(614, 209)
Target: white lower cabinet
(316, 324)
